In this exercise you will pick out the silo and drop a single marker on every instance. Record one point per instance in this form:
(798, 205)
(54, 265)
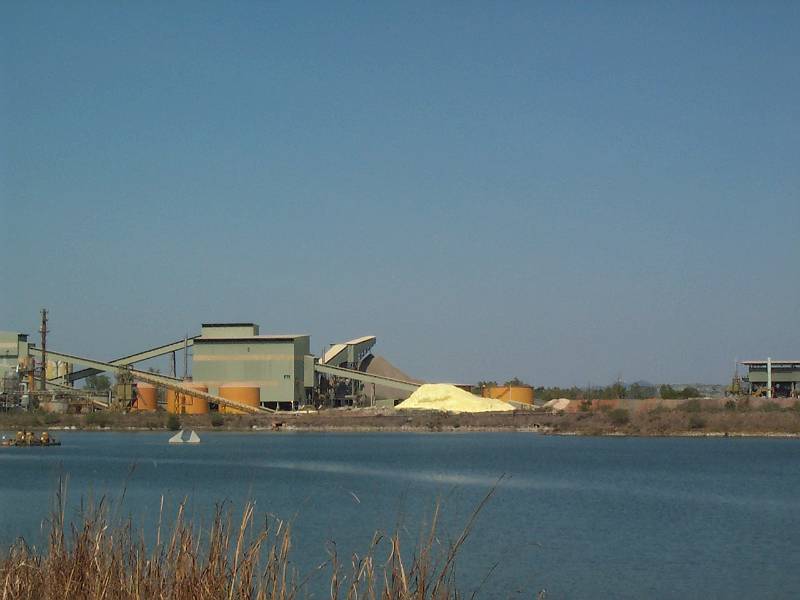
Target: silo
(523, 394)
(146, 397)
(242, 393)
(185, 403)
(51, 369)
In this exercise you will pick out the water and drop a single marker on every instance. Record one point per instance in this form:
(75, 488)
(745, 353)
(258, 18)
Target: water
(581, 517)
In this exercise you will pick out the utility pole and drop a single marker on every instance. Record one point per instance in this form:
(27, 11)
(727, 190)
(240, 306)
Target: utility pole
(185, 355)
(43, 331)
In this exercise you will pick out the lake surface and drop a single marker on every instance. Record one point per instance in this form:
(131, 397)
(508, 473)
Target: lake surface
(580, 517)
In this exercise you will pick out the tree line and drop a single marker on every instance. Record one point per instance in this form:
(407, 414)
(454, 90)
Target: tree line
(615, 391)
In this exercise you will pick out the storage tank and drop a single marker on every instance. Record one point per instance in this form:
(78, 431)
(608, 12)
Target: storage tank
(51, 369)
(522, 394)
(185, 403)
(146, 397)
(240, 392)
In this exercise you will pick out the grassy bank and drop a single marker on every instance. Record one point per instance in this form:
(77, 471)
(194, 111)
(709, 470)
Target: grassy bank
(687, 419)
(237, 558)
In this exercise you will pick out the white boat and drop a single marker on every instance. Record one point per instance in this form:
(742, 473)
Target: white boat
(183, 438)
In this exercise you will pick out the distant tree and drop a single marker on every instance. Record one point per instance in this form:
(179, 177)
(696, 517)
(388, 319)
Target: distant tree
(639, 392)
(482, 384)
(98, 383)
(689, 392)
(516, 381)
(668, 393)
(161, 392)
(544, 394)
(614, 391)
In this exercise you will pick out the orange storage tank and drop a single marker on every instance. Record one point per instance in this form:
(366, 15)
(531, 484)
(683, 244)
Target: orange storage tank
(185, 403)
(240, 392)
(522, 394)
(146, 397)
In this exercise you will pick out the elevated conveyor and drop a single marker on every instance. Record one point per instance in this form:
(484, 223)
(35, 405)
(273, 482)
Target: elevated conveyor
(398, 384)
(128, 360)
(160, 380)
(349, 353)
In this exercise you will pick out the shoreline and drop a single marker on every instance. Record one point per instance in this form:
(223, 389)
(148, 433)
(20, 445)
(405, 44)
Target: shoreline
(659, 423)
(595, 425)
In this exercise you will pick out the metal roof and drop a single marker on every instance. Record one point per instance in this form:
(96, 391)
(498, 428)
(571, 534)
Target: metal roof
(753, 363)
(333, 351)
(253, 338)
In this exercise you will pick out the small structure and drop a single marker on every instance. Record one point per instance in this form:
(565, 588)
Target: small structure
(773, 378)
(182, 437)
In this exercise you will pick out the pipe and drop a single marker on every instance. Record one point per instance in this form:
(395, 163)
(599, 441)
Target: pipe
(769, 377)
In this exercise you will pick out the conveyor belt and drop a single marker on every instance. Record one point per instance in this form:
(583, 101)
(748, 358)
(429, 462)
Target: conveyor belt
(130, 359)
(366, 377)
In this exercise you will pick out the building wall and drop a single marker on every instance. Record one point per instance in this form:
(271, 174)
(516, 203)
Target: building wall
(275, 366)
(302, 347)
(13, 345)
(228, 330)
(778, 376)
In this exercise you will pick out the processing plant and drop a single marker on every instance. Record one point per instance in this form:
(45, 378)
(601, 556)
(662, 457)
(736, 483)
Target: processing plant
(234, 369)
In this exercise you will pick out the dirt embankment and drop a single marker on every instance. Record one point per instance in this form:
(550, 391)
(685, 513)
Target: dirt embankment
(658, 422)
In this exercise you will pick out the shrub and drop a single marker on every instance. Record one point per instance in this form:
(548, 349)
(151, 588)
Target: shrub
(97, 419)
(770, 406)
(619, 416)
(730, 404)
(217, 420)
(696, 422)
(173, 422)
(51, 419)
(691, 406)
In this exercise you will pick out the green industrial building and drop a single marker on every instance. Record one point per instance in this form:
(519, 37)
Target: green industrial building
(235, 353)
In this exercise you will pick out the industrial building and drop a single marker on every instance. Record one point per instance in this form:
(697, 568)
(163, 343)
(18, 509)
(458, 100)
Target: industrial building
(234, 368)
(13, 349)
(773, 378)
(228, 353)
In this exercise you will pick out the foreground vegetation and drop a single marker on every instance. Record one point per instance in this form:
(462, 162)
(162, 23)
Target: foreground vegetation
(96, 558)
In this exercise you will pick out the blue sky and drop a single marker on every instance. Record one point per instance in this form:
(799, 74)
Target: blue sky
(563, 192)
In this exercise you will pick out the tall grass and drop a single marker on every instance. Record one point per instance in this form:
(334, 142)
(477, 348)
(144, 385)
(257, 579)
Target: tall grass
(94, 558)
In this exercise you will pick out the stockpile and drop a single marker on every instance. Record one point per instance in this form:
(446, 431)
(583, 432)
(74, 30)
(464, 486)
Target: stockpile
(377, 365)
(448, 398)
(557, 404)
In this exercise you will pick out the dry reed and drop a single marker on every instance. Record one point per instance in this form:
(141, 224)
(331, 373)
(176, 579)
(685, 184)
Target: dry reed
(97, 559)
